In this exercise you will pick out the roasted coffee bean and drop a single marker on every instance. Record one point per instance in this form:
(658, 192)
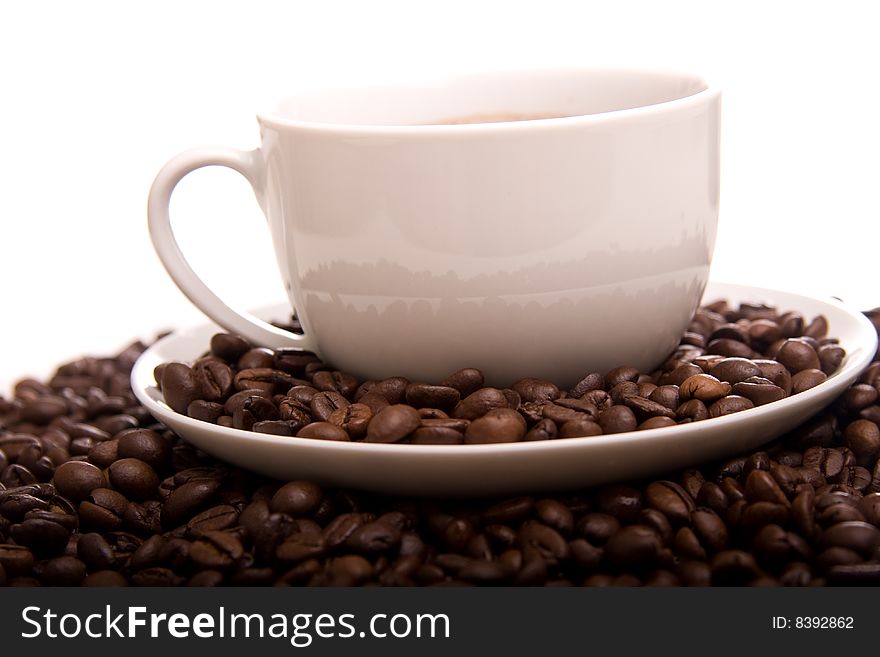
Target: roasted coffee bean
(646, 409)
(228, 347)
(536, 390)
(466, 381)
(323, 431)
(266, 379)
(235, 403)
(634, 548)
(861, 537)
(597, 527)
(134, 478)
(734, 370)
(827, 462)
(578, 428)
(579, 405)
(374, 537)
(830, 357)
(204, 410)
(179, 387)
(294, 361)
(859, 396)
(560, 414)
(544, 540)
(105, 578)
(188, 499)
(353, 419)
(324, 404)
(621, 391)
(76, 479)
(670, 499)
(252, 410)
(496, 426)
(509, 511)
(437, 436)
(620, 374)
(276, 427)
(16, 560)
(61, 571)
(297, 498)
(758, 391)
(156, 577)
(617, 419)
(43, 536)
(667, 395)
(145, 445)
(756, 515)
(301, 546)
(870, 508)
(374, 401)
(863, 438)
(43, 409)
(680, 374)
(762, 487)
(806, 379)
(543, 430)
(103, 509)
(592, 381)
(733, 568)
(775, 372)
(621, 501)
(213, 379)
(704, 387)
(797, 355)
(555, 514)
(216, 518)
(422, 395)
(216, 550)
(95, 552)
(728, 405)
(393, 424)
(729, 348)
(16, 475)
(710, 529)
(340, 382)
(479, 403)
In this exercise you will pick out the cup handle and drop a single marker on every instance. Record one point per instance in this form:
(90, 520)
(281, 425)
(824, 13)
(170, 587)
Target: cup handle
(249, 164)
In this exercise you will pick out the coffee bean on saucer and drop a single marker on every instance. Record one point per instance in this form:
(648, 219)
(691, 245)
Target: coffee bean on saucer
(806, 379)
(421, 395)
(392, 424)
(703, 387)
(323, 431)
(479, 403)
(179, 387)
(797, 355)
(499, 425)
(228, 347)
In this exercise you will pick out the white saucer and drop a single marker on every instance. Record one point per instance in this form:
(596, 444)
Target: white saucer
(458, 470)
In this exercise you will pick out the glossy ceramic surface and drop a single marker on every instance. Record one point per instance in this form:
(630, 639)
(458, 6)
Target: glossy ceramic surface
(462, 470)
(417, 249)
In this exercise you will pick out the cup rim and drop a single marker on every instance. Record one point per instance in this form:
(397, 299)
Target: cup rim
(709, 92)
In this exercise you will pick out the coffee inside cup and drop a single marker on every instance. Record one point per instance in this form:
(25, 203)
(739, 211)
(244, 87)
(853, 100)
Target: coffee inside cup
(497, 117)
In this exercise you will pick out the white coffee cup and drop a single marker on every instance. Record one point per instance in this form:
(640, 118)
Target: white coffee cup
(549, 247)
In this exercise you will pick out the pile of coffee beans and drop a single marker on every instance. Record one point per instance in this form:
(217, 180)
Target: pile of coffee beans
(730, 360)
(93, 491)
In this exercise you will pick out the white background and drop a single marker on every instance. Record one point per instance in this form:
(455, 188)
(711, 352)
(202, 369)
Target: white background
(95, 96)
